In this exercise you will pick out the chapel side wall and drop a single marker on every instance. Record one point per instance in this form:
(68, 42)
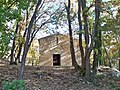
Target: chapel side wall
(77, 51)
(65, 56)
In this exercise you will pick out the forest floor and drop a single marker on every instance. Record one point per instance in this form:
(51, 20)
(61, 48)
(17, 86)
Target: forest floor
(57, 78)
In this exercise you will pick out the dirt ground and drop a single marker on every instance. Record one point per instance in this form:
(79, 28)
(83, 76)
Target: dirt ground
(57, 78)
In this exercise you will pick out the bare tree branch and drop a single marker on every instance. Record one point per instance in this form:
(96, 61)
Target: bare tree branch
(12, 4)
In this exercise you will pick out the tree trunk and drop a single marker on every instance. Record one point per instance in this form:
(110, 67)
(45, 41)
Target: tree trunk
(13, 48)
(87, 54)
(22, 69)
(100, 48)
(85, 22)
(119, 63)
(98, 44)
(87, 58)
(80, 34)
(74, 63)
(21, 44)
(119, 59)
(20, 48)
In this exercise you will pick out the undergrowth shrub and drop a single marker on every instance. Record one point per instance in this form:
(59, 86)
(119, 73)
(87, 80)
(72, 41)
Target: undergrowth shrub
(117, 88)
(14, 85)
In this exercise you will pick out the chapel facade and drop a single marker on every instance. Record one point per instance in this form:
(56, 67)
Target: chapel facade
(54, 50)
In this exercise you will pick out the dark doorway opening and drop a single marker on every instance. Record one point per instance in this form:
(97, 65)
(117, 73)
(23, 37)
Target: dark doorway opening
(56, 59)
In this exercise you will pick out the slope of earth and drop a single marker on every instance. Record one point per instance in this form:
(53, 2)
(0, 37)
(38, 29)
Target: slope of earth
(57, 78)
